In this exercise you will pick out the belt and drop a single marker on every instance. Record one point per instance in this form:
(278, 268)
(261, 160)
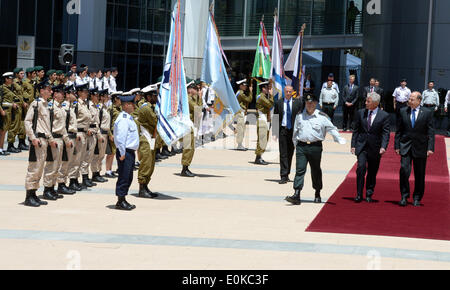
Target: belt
(81, 130)
(429, 106)
(57, 136)
(26, 100)
(41, 135)
(104, 132)
(6, 108)
(318, 143)
(92, 126)
(329, 104)
(130, 151)
(72, 135)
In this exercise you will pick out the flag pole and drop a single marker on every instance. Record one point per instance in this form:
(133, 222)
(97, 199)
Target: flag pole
(302, 33)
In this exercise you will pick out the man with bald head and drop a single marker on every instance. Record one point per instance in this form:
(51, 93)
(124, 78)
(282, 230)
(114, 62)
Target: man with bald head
(414, 142)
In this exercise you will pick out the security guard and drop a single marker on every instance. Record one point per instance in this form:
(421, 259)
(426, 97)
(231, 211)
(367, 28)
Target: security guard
(189, 140)
(329, 100)
(13, 111)
(244, 97)
(37, 126)
(58, 117)
(126, 137)
(104, 134)
(72, 130)
(114, 112)
(148, 122)
(25, 97)
(310, 130)
(264, 104)
(430, 97)
(83, 121)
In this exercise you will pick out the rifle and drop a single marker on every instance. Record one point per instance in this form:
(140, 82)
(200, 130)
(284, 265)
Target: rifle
(49, 148)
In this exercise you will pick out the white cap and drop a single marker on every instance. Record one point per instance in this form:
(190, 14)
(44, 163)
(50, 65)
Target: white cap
(117, 93)
(242, 82)
(263, 83)
(127, 94)
(187, 85)
(148, 89)
(8, 75)
(134, 91)
(157, 84)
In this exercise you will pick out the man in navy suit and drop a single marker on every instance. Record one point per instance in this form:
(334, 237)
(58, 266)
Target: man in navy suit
(369, 142)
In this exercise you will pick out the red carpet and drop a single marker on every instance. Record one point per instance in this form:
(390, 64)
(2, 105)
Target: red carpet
(384, 217)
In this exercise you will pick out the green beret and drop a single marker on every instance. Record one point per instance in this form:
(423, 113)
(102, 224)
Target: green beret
(50, 72)
(30, 69)
(59, 72)
(38, 68)
(18, 70)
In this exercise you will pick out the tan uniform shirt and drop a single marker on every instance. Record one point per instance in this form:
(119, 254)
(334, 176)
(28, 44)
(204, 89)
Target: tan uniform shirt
(43, 121)
(105, 122)
(59, 121)
(84, 117)
(73, 125)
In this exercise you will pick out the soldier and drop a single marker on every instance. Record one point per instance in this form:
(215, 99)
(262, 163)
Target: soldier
(189, 140)
(25, 97)
(92, 76)
(148, 129)
(310, 130)
(4, 107)
(329, 100)
(264, 103)
(37, 126)
(112, 80)
(72, 130)
(71, 77)
(106, 82)
(12, 103)
(58, 117)
(83, 121)
(114, 112)
(105, 133)
(244, 96)
(40, 75)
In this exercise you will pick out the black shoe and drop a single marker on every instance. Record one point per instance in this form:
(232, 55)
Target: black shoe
(23, 146)
(110, 175)
(369, 199)
(161, 157)
(284, 180)
(358, 199)
(97, 178)
(144, 192)
(5, 153)
(318, 199)
(63, 189)
(38, 200)
(48, 194)
(186, 172)
(87, 182)
(179, 151)
(344, 130)
(55, 194)
(260, 161)
(403, 202)
(12, 149)
(417, 203)
(74, 185)
(30, 201)
(295, 199)
(122, 204)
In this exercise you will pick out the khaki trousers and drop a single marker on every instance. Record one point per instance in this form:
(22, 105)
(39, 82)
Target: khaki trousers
(51, 168)
(36, 169)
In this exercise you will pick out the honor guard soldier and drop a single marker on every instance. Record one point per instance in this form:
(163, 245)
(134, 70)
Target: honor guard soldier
(126, 137)
(37, 126)
(264, 104)
(5, 115)
(12, 104)
(114, 112)
(72, 130)
(25, 97)
(148, 122)
(40, 75)
(244, 96)
(58, 117)
(189, 140)
(310, 130)
(83, 121)
(105, 133)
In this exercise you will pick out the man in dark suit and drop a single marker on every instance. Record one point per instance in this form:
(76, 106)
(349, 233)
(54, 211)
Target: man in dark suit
(371, 88)
(369, 142)
(350, 98)
(287, 109)
(414, 141)
(309, 86)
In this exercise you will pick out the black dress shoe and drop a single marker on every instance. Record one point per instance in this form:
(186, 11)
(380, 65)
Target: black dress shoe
(161, 157)
(284, 180)
(403, 202)
(260, 161)
(369, 200)
(318, 200)
(30, 201)
(5, 153)
(358, 199)
(122, 204)
(417, 203)
(295, 199)
(110, 175)
(186, 172)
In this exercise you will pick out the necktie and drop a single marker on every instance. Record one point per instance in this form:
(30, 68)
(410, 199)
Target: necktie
(369, 125)
(413, 122)
(371, 90)
(351, 89)
(289, 115)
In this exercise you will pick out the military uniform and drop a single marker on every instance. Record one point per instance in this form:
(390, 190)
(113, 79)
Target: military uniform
(105, 132)
(244, 101)
(25, 97)
(13, 116)
(72, 130)
(91, 139)
(264, 104)
(189, 140)
(309, 133)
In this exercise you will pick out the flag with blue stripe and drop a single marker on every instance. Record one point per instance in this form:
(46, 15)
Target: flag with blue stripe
(277, 71)
(173, 105)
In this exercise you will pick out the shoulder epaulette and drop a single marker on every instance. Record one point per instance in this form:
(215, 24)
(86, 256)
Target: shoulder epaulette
(325, 115)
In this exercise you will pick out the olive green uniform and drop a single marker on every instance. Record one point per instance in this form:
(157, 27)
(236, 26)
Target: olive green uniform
(189, 140)
(264, 104)
(114, 112)
(244, 101)
(25, 97)
(147, 129)
(13, 116)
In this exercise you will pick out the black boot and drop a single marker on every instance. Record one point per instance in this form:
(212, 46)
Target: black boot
(159, 156)
(318, 199)
(122, 204)
(260, 161)
(48, 194)
(22, 145)
(295, 199)
(74, 185)
(37, 199)
(87, 182)
(144, 192)
(63, 189)
(97, 178)
(12, 149)
(186, 172)
(55, 194)
(166, 152)
(30, 201)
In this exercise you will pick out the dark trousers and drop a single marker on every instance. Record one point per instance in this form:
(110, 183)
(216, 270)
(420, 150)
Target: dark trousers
(420, 165)
(126, 169)
(329, 110)
(398, 107)
(448, 121)
(349, 114)
(286, 151)
(311, 154)
(367, 164)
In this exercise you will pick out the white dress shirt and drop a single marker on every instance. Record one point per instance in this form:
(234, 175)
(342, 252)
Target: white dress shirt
(447, 100)
(402, 94)
(284, 122)
(334, 86)
(417, 113)
(126, 135)
(374, 115)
